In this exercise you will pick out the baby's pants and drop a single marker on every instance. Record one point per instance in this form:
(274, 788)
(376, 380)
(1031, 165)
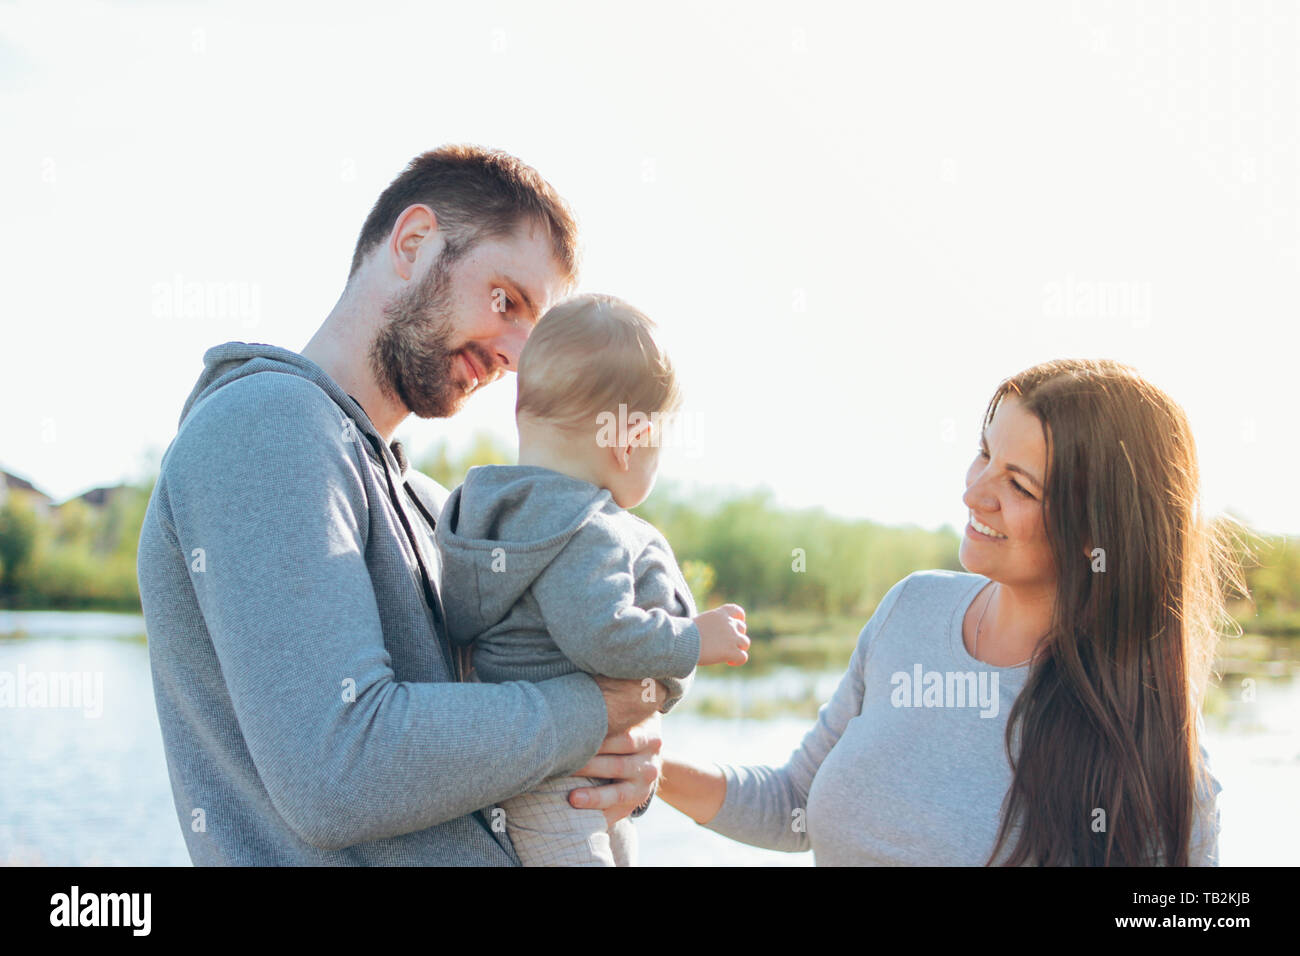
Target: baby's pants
(547, 831)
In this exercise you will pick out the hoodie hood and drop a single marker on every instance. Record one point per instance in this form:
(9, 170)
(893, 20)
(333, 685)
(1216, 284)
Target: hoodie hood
(233, 361)
(499, 530)
(223, 364)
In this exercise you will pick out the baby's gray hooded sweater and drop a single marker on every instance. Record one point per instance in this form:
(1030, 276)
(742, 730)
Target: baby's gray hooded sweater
(546, 575)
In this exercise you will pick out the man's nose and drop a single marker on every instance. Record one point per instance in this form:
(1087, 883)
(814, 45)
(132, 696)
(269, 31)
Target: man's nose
(508, 345)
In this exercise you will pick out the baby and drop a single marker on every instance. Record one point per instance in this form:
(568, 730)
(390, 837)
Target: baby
(545, 573)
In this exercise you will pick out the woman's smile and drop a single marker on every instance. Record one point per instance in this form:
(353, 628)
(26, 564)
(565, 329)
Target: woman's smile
(980, 531)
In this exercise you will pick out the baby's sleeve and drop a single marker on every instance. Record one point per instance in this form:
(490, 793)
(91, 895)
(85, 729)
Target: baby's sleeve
(588, 598)
(660, 583)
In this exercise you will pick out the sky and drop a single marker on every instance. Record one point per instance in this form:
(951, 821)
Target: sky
(850, 223)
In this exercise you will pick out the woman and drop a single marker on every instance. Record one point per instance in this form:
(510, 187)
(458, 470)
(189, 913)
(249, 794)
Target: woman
(1042, 709)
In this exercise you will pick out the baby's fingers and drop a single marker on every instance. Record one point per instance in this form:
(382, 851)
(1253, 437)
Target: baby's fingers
(741, 653)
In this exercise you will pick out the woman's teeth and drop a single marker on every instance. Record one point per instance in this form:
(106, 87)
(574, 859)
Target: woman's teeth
(985, 529)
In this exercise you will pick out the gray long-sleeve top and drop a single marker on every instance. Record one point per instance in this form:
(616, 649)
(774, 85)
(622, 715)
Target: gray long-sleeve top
(906, 764)
(546, 575)
(310, 705)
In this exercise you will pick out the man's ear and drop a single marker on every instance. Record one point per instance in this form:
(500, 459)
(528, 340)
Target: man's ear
(414, 226)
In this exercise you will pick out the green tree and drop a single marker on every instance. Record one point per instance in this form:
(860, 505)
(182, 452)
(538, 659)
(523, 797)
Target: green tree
(449, 472)
(18, 530)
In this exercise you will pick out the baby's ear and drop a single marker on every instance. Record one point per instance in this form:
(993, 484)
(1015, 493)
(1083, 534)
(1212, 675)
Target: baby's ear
(622, 454)
(640, 430)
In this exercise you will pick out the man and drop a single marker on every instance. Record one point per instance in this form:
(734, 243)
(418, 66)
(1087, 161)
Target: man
(312, 709)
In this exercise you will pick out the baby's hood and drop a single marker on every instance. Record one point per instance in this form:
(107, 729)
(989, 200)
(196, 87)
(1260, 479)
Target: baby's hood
(498, 531)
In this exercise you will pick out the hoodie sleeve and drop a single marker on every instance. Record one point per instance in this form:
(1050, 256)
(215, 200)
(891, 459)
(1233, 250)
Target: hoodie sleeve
(587, 596)
(276, 502)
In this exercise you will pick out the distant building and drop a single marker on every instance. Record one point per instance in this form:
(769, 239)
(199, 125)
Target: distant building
(15, 487)
(99, 497)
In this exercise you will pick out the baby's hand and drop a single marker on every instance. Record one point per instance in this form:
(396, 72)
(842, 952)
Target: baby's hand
(722, 635)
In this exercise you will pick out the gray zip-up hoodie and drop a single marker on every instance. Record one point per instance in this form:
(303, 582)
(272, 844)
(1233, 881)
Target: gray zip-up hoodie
(546, 575)
(310, 705)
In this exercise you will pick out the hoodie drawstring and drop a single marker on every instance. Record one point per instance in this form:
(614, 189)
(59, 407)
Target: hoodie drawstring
(452, 660)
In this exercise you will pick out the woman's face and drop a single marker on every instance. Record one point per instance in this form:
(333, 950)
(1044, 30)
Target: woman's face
(1005, 539)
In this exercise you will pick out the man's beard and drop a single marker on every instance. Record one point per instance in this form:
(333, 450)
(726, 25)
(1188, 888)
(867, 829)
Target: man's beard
(412, 356)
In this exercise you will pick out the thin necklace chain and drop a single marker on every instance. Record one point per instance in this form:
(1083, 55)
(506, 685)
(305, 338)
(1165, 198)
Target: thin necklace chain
(975, 644)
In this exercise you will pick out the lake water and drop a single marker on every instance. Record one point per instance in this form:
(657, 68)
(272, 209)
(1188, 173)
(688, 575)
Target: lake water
(87, 785)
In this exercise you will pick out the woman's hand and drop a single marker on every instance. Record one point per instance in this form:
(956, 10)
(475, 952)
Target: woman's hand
(630, 759)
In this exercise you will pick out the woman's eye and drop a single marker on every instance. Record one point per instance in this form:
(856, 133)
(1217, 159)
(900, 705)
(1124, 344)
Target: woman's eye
(1023, 491)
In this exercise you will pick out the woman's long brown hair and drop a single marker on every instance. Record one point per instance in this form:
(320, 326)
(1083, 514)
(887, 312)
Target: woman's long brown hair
(1107, 720)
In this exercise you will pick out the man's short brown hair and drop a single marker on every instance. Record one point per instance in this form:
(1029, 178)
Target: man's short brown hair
(476, 193)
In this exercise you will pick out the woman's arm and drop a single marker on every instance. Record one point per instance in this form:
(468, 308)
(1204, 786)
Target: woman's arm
(766, 806)
(695, 789)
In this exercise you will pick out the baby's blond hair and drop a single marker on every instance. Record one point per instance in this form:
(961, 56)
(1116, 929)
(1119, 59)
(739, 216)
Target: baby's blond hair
(590, 354)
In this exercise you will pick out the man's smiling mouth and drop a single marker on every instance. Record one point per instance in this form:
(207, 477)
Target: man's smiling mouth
(470, 370)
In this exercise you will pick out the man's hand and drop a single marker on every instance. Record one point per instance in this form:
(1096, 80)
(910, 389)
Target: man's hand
(630, 759)
(629, 702)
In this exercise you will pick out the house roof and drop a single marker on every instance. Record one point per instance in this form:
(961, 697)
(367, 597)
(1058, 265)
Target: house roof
(14, 483)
